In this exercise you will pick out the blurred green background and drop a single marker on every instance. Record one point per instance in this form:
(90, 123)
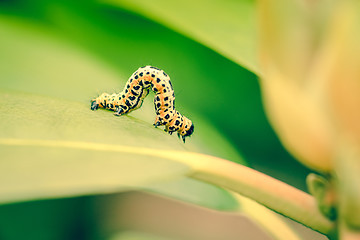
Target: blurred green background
(71, 51)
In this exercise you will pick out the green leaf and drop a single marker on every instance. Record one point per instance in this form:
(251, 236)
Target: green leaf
(53, 67)
(54, 146)
(47, 64)
(207, 85)
(228, 27)
(58, 165)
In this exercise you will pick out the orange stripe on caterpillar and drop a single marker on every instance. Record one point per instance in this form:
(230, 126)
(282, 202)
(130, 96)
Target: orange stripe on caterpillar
(137, 88)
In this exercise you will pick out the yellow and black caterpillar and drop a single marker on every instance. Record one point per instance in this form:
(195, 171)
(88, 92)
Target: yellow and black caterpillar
(134, 92)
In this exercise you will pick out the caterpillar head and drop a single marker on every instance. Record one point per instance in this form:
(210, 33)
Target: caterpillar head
(187, 130)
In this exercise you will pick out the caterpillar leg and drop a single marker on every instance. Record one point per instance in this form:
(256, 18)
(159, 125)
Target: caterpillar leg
(181, 137)
(158, 122)
(119, 111)
(99, 101)
(169, 131)
(94, 106)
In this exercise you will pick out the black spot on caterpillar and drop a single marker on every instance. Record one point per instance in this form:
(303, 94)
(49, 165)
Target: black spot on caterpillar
(134, 93)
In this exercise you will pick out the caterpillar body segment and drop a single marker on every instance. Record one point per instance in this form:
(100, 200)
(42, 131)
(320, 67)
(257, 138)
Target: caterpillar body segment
(137, 88)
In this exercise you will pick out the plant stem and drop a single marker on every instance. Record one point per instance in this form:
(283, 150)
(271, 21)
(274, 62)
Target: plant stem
(265, 190)
(250, 183)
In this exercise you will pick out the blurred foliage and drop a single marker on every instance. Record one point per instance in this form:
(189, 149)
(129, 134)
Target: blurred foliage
(228, 28)
(310, 56)
(56, 55)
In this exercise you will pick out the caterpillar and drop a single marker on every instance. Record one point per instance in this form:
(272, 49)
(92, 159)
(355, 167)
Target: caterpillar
(136, 89)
